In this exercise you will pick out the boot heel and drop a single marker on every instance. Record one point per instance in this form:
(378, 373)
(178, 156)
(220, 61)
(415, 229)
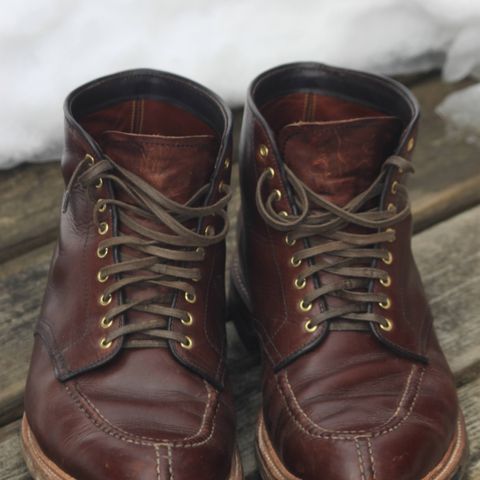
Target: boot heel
(242, 319)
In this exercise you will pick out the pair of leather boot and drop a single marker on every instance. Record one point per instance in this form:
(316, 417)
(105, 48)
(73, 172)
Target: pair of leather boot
(128, 375)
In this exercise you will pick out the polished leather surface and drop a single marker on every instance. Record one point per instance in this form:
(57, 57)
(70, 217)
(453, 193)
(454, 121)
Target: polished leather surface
(341, 402)
(154, 413)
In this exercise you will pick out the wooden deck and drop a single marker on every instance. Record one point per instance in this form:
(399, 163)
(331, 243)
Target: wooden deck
(446, 203)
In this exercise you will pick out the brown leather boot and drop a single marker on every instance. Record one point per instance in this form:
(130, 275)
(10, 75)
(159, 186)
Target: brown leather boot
(127, 379)
(355, 384)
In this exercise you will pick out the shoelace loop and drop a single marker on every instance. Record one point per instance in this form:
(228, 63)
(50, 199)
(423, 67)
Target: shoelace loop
(150, 257)
(321, 226)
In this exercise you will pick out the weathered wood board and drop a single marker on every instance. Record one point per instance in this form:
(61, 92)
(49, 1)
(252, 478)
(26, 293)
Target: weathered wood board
(447, 179)
(449, 260)
(29, 207)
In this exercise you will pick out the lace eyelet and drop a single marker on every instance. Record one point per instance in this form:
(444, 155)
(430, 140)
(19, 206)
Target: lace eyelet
(188, 320)
(105, 300)
(410, 144)
(104, 343)
(99, 184)
(394, 187)
(102, 206)
(103, 228)
(305, 307)
(101, 278)
(385, 305)
(226, 162)
(187, 343)
(209, 231)
(290, 241)
(283, 213)
(387, 281)
(300, 284)
(102, 252)
(270, 172)
(295, 262)
(190, 297)
(106, 323)
(263, 150)
(309, 327)
(387, 326)
(391, 208)
(391, 230)
(388, 259)
(90, 160)
(221, 185)
(278, 194)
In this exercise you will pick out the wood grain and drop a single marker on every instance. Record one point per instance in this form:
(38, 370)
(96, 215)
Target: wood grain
(449, 260)
(29, 207)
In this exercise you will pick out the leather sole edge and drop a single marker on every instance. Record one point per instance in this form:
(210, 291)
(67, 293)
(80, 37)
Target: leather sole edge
(42, 468)
(452, 466)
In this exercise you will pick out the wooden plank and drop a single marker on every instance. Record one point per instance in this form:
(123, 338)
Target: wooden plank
(12, 466)
(447, 179)
(448, 257)
(29, 207)
(22, 283)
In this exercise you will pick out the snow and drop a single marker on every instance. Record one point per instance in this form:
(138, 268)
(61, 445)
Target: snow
(48, 47)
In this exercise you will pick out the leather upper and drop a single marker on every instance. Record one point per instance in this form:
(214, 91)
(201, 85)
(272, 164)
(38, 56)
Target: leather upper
(342, 401)
(121, 412)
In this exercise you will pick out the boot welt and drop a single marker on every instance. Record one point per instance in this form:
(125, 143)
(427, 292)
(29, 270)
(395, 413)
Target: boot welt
(42, 468)
(453, 465)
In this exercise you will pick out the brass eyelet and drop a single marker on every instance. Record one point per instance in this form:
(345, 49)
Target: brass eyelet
(104, 343)
(106, 323)
(101, 278)
(188, 320)
(290, 241)
(102, 206)
(99, 184)
(270, 172)
(190, 297)
(226, 162)
(105, 300)
(103, 228)
(89, 159)
(305, 307)
(295, 262)
(220, 186)
(385, 305)
(309, 327)
(410, 144)
(387, 281)
(209, 231)
(299, 284)
(263, 150)
(102, 252)
(283, 213)
(394, 187)
(391, 230)
(278, 194)
(187, 343)
(391, 208)
(387, 326)
(388, 259)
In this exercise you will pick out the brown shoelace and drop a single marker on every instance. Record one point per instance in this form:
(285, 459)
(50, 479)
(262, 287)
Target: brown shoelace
(321, 226)
(160, 258)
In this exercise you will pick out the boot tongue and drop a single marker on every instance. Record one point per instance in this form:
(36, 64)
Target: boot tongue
(339, 159)
(176, 166)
